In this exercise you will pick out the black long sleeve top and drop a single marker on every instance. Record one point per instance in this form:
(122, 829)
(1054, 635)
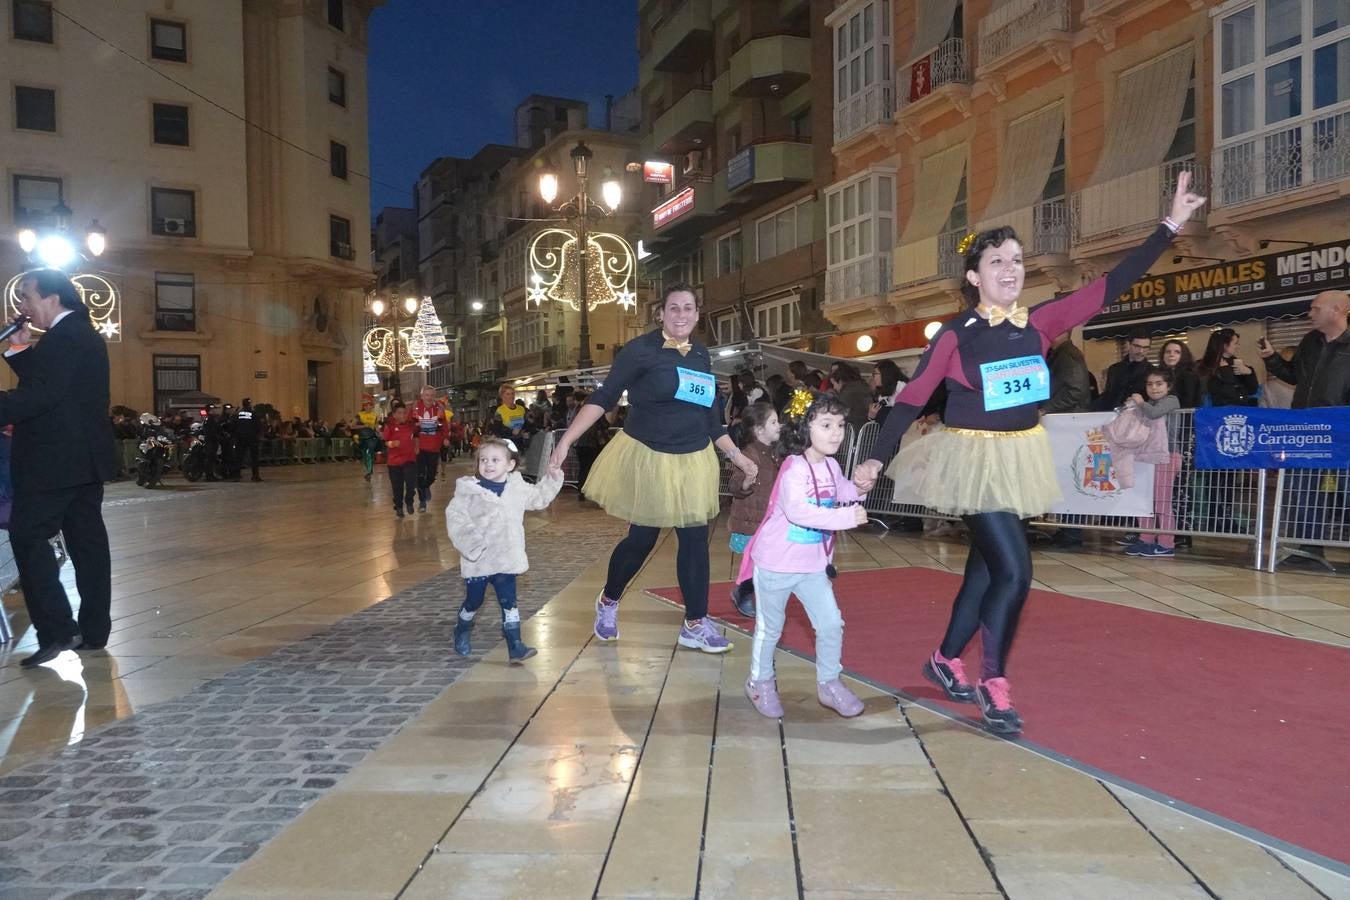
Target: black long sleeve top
(656, 417)
(968, 341)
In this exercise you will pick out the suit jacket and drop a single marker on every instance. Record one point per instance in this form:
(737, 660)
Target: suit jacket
(62, 435)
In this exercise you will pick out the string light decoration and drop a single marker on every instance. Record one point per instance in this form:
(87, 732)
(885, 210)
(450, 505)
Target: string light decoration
(555, 266)
(368, 374)
(98, 294)
(430, 331)
(379, 345)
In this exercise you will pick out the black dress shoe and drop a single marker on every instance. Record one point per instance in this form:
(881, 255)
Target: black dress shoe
(90, 645)
(50, 652)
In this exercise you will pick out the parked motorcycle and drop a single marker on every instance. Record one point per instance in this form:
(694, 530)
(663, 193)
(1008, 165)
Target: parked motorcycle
(156, 446)
(194, 454)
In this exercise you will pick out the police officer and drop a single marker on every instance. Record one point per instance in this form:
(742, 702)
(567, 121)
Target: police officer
(211, 439)
(229, 464)
(246, 437)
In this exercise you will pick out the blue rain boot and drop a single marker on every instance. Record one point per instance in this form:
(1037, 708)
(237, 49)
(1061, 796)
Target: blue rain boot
(462, 629)
(515, 647)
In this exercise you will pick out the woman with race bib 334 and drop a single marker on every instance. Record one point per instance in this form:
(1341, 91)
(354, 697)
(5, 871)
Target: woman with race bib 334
(660, 471)
(992, 464)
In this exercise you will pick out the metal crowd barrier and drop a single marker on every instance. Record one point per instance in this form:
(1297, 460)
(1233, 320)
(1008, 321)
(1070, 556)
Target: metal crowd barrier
(1217, 504)
(273, 452)
(1312, 510)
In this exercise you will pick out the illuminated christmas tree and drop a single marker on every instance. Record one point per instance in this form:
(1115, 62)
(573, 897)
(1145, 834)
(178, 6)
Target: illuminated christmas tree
(430, 332)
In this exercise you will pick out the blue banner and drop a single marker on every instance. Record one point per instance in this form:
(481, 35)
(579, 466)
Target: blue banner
(1241, 437)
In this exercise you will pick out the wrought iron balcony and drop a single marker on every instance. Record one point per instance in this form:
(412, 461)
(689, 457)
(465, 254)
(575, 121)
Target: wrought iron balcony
(871, 107)
(867, 277)
(929, 259)
(1313, 151)
(947, 65)
(1135, 201)
(1020, 25)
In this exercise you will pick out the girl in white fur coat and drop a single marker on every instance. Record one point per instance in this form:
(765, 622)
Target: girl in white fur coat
(486, 521)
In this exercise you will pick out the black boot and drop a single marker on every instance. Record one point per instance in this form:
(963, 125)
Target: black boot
(515, 647)
(743, 598)
(462, 629)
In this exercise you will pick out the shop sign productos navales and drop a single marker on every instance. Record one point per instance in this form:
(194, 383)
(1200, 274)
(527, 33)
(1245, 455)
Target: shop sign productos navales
(1275, 276)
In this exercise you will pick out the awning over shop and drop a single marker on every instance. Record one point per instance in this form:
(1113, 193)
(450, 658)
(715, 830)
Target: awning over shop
(1273, 286)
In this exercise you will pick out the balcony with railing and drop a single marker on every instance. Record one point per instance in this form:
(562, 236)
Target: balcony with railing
(771, 66)
(1043, 227)
(1021, 34)
(861, 284)
(929, 259)
(872, 107)
(934, 84)
(1123, 207)
(684, 38)
(688, 123)
(1283, 165)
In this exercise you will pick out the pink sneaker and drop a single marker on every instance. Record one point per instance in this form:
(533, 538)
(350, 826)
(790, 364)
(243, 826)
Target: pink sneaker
(994, 696)
(764, 695)
(836, 696)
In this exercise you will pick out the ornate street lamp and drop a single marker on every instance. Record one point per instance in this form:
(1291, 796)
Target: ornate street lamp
(576, 265)
(392, 346)
(53, 247)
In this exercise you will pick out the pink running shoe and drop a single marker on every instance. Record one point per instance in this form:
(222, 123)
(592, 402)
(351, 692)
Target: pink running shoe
(764, 695)
(606, 619)
(836, 696)
(994, 696)
(951, 677)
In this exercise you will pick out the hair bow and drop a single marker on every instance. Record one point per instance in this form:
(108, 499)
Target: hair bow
(964, 247)
(510, 445)
(799, 403)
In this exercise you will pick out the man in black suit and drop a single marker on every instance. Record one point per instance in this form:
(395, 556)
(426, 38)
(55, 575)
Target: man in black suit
(62, 455)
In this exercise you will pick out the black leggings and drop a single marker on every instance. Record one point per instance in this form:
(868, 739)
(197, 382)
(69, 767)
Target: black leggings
(691, 564)
(998, 577)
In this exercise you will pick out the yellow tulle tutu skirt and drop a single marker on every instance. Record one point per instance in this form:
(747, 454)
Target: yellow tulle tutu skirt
(643, 486)
(960, 471)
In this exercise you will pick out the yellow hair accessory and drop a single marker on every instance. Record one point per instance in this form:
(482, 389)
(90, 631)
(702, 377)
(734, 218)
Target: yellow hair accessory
(964, 247)
(800, 402)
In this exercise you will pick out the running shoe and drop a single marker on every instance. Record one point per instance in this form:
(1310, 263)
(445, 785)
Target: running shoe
(1157, 550)
(1128, 538)
(951, 677)
(994, 697)
(606, 619)
(835, 695)
(764, 696)
(1140, 548)
(703, 635)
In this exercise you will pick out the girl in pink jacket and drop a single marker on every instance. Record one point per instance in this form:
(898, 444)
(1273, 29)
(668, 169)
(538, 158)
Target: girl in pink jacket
(792, 548)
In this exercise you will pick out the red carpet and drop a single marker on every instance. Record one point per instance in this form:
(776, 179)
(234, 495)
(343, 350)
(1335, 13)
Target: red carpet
(1250, 726)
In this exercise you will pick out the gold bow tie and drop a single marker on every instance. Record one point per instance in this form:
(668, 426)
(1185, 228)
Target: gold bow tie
(683, 347)
(997, 315)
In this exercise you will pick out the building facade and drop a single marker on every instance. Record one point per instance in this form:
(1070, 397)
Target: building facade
(476, 220)
(1070, 120)
(227, 162)
(731, 104)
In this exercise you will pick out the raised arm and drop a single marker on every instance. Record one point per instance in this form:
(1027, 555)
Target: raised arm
(1055, 317)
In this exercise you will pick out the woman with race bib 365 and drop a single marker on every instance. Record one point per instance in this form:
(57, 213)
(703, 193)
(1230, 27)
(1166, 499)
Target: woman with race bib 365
(660, 471)
(992, 464)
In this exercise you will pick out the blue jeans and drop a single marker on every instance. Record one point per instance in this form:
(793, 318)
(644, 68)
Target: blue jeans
(475, 592)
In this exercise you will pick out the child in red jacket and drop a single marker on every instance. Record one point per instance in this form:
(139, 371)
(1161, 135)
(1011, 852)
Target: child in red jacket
(400, 452)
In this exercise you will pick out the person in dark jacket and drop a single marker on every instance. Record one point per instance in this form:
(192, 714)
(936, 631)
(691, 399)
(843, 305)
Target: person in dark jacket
(886, 380)
(246, 437)
(1070, 387)
(62, 454)
(1320, 369)
(1320, 374)
(1227, 380)
(1126, 378)
(1176, 358)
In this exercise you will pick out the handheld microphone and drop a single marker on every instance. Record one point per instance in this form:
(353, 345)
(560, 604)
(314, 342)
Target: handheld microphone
(19, 321)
